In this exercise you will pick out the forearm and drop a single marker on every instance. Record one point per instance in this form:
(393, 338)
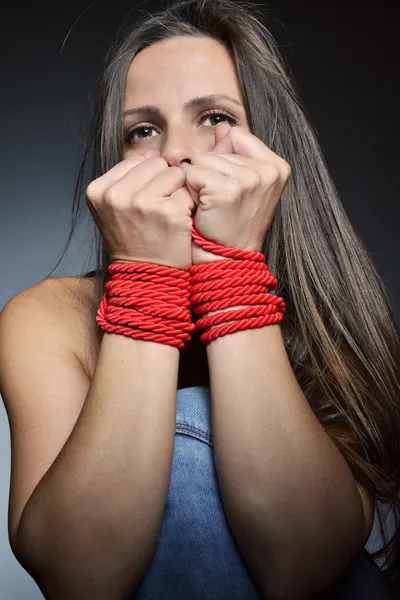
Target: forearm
(92, 523)
(289, 494)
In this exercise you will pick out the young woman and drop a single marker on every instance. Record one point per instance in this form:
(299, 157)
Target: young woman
(158, 453)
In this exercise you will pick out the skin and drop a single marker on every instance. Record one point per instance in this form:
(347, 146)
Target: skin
(167, 75)
(253, 387)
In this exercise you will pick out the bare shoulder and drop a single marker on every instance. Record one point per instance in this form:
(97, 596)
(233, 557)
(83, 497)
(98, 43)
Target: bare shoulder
(69, 306)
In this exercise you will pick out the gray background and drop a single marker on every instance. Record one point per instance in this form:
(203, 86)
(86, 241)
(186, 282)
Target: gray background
(345, 60)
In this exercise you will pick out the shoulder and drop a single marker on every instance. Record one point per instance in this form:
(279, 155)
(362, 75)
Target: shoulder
(68, 305)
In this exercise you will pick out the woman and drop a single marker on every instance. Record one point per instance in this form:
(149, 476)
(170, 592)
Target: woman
(246, 463)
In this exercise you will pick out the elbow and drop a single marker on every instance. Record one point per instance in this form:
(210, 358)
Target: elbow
(59, 578)
(67, 571)
(17, 550)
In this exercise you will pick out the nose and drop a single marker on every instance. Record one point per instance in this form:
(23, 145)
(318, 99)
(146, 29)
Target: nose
(180, 145)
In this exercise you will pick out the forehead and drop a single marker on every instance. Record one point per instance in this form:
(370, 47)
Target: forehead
(179, 68)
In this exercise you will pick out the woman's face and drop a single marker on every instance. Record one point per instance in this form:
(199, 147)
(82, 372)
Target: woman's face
(172, 78)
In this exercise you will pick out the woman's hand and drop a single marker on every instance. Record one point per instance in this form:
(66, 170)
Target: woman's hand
(143, 210)
(236, 189)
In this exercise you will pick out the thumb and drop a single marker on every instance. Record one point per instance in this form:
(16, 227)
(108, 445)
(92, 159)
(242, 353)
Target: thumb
(223, 142)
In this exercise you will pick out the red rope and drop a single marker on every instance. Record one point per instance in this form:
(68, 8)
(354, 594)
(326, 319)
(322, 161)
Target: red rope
(152, 302)
(226, 283)
(147, 301)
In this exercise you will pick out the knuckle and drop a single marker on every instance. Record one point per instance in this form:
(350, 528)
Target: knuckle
(171, 212)
(112, 195)
(233, 189)
(254, 179)
(272, 173)
(177, 172)
(91, 192)
(140, 204)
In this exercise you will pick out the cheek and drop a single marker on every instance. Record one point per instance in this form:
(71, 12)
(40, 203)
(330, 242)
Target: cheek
(126, 153)
(147, 153)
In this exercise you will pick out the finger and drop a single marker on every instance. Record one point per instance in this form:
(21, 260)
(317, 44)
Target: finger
(118, 171)
(137, 169)
(152, 176)
(204, 181)
(182, 197)
(231, 165)
(223, 141)
(239, 140)
(152, 153)
(238, 167)
(236, 159)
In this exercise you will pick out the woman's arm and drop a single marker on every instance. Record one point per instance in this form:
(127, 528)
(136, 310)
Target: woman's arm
(90, 527)
(296, 510)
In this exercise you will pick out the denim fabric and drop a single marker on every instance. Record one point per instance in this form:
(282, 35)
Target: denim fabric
(197, 557)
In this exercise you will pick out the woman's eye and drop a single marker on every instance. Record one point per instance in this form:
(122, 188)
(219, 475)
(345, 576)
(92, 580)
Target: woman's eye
(142, 131)
(217, 115)
(129, 136)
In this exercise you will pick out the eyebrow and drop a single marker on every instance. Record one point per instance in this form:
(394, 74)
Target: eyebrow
(196, 102)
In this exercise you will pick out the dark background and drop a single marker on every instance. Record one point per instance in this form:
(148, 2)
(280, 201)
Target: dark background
(345, 58)
(344, 55)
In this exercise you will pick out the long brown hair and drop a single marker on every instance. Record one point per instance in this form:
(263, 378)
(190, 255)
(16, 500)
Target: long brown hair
(339, 328)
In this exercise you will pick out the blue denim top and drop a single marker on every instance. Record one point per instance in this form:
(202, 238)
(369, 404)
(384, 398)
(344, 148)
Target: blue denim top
(197, 557)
